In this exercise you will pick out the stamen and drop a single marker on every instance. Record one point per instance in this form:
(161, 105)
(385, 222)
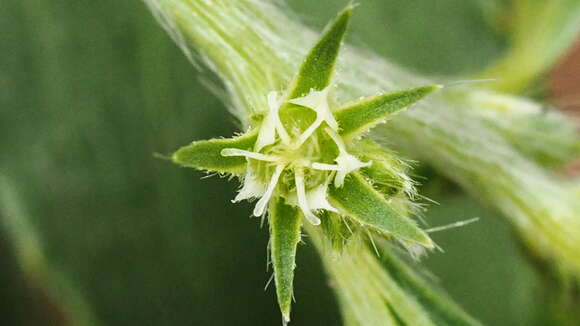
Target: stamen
(324, 166)
(256, 156)
(274, 105)
(271, 124)
(263, 202)
(337, 140)
(348, 163)
(308, 132)
(345, 161)
(302, 201)
(318, 101)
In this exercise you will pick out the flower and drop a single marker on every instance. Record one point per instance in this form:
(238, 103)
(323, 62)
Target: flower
(303, 158)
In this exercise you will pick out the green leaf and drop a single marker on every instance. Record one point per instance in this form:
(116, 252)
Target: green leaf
(206, 154)
(360, 201)
(285, 224)
(357, 118)
(442, 310)
(317, 69)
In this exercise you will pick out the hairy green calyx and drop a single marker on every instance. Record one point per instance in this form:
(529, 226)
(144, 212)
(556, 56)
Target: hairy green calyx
(306, 158)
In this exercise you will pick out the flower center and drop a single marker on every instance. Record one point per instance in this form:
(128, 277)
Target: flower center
(296, 167)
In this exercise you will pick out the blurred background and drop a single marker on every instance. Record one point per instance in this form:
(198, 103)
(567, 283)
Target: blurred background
(94, 230)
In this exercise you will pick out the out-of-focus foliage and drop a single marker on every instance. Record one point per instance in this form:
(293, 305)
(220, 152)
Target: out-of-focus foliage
(434, 37)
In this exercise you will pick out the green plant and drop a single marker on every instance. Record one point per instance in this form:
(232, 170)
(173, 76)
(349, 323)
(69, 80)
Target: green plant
(467, 146)
(107, 234)
(318, 162)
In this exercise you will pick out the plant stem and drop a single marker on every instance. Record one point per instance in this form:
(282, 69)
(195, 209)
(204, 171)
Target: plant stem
(254, 46)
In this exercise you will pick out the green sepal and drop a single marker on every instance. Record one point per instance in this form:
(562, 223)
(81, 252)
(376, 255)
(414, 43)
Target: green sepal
(317, 68)
(388, 172)
(357, 118)
(361, 202)
(285, 225)
(206, 154)
(337, 229)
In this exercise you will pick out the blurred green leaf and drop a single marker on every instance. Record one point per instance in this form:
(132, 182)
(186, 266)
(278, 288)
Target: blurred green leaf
(443, 37)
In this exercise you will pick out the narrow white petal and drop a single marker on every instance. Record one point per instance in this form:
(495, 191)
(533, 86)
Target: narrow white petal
(308, 132)
(317, 199)
(324, 166)
(274, 104)
(312, 100)
(324, 110)
(337, 140)
(256, 156)
(263, 202)
(252, 187)
(302, 200)
(318, 101)
(347, 164)
(345, 161)
(267, 133)
(271, 124)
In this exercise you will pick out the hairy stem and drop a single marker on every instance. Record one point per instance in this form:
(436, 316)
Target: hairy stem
(254, 46)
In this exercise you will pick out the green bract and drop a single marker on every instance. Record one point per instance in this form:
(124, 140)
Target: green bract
(303, 160)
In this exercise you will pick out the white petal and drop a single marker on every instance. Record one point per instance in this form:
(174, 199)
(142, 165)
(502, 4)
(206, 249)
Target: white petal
(347, 164)
(324, 166)
(302, 201)
(308, 132)
(318, 101)
(345, 161)
(263, 202)
(267, 133)
(252, 188)
(271, 124)
(317, 199)
(253, 155)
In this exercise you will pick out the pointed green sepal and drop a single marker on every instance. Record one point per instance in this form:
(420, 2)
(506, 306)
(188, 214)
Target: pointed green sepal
(357, 118)
(317, 69)
(206, 154)
(361, 202)
(285, 225)
(338, 229)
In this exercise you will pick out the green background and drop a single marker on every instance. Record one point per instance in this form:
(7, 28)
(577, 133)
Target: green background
(90, 90)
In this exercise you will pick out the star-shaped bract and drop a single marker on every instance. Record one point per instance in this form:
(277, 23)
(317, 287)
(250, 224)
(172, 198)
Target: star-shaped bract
(299, 165)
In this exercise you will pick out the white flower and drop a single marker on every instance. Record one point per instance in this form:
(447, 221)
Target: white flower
(316, 199)
(252, 187)
(270, 130)
(271, 124)
(317, 101)
(345, 162)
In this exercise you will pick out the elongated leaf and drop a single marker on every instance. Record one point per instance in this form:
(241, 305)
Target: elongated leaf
(206, 154)
(317, 69)
(357, 199)
(441, 309)
(357, 118)
(285, 223)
